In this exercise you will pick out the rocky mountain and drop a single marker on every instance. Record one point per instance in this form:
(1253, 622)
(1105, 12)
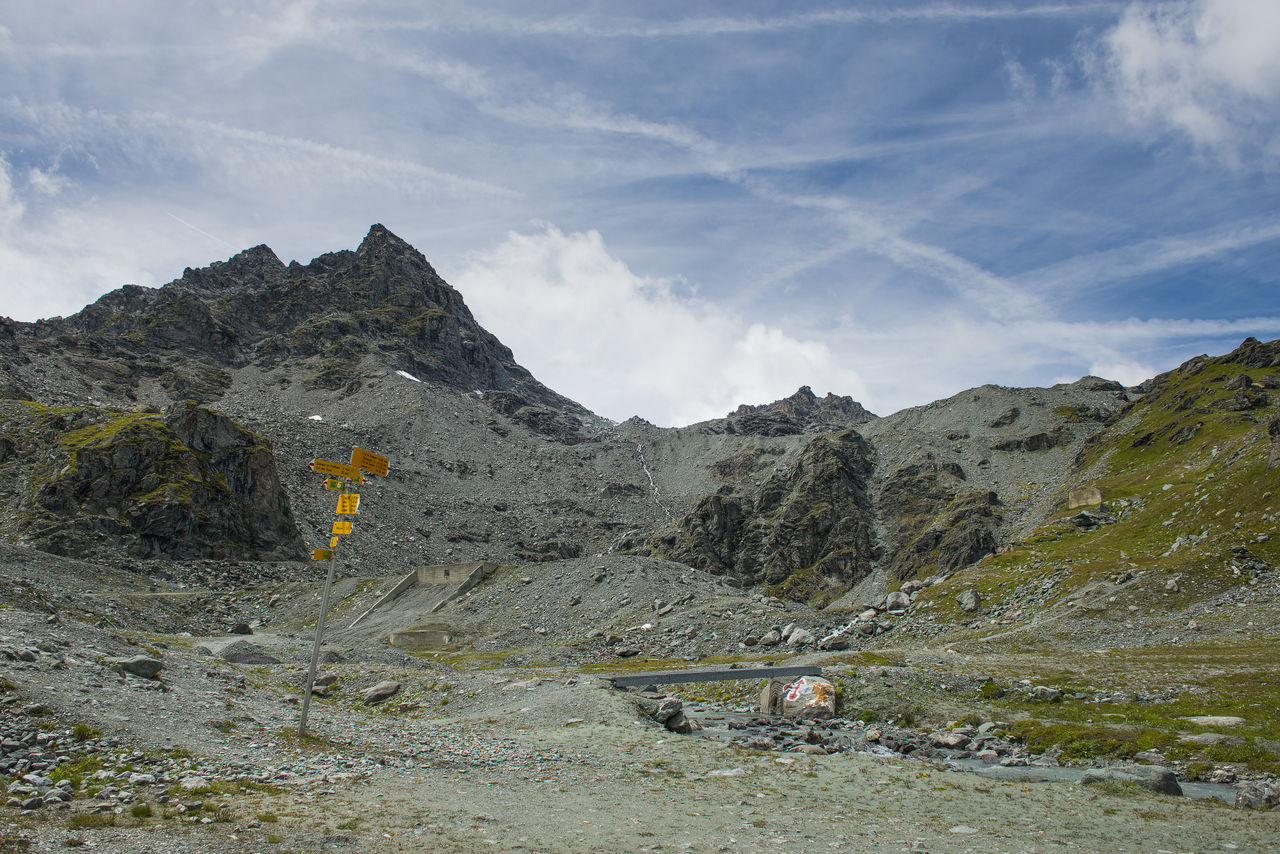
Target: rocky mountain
(179, 421)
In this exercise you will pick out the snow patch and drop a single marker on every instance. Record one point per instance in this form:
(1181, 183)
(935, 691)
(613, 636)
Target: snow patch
(408, 376)
(316, 418)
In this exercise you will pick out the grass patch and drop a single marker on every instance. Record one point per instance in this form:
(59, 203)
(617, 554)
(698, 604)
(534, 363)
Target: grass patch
(91, 820)
(84, 732)
(76, 770)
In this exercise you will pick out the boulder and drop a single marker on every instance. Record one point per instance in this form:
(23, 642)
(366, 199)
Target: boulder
(800, 637)
(969, 601)
(1258, 794)
(380, 692)
(771, 638)
(244, 652)
(949, 740)
(835, 641)
(897, 601)
(1152, 777)
(809, 698)
(138, 665)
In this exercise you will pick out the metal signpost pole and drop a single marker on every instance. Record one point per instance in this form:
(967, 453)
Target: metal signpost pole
(315, 648)
(341, 476)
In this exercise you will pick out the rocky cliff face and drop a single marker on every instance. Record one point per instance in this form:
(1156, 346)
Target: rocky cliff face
(806, 529)
(183, 484)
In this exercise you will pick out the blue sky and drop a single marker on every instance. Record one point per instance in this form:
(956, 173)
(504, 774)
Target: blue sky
(667, 209)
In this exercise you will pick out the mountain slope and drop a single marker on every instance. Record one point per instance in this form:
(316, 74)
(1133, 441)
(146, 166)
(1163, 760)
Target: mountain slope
(812, 496)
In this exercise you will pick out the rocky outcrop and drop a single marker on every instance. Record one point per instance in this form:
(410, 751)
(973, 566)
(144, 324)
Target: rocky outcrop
(933, 521)
(806, 530)
(186, 483)
(802, 412)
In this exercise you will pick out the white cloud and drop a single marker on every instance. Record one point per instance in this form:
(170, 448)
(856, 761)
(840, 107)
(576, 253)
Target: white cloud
(624, 344)
(1127, 373)
(1210, 70)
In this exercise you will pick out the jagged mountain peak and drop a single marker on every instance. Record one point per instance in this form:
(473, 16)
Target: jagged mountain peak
(802, 412)
(253, 267)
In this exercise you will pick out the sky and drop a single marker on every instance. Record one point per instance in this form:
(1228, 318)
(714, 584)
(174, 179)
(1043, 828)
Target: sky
(667, 209)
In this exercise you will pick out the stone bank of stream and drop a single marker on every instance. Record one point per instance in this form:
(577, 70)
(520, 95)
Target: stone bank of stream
(994, 757)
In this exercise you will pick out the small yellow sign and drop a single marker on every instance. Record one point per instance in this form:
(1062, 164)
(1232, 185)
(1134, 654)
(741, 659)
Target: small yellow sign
(342, 470)
(334, 484)
(370, 462)
(342, 528)
(348, 504)
(333, 542)
(321, 554)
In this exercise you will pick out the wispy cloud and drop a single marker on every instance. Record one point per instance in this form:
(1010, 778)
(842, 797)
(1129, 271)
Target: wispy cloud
(594, 26)
(1091, 271)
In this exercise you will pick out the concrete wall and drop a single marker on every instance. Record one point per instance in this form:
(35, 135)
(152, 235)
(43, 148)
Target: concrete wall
(1086, 496)
(453, 573)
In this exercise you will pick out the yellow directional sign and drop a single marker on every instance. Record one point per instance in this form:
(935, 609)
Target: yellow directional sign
(334, 484)
(348, 504)
(333, 542)
(342, 470)
(370, 462)
(321, 554)
(342, 527)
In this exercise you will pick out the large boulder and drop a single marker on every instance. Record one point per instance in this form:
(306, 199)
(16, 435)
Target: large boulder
(1152, 777)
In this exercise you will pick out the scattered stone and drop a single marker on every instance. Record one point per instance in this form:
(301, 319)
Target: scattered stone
(1215, 720)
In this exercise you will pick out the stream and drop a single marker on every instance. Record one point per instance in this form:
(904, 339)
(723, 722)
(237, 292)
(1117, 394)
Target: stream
(742, 727)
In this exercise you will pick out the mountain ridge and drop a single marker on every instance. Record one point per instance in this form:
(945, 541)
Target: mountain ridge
(371, 347)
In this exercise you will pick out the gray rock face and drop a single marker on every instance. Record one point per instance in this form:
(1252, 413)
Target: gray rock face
(188, 483)
(812, 516)
(1152, 777)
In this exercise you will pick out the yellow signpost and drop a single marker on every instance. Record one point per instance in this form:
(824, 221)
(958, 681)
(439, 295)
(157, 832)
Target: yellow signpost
(368, 461)
(341, 476)
(342, 470)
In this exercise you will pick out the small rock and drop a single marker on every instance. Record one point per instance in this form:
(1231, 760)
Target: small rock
(380, 692)
(969, 601)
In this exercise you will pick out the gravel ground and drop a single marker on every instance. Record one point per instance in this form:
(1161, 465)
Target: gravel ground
(511, 758)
